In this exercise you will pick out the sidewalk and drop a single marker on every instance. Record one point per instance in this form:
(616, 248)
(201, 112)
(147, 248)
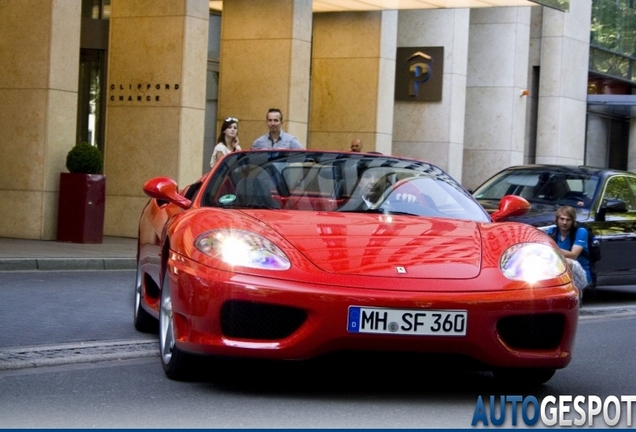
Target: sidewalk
(115, 253)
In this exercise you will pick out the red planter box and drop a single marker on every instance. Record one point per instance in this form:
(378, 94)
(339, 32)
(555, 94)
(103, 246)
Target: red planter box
(81, 206)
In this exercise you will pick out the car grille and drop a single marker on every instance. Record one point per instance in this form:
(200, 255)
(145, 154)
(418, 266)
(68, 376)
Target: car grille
(249, 320)
(532, 331)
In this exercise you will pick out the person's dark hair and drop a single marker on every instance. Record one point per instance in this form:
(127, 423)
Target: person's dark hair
(226, 124)
(274, 110)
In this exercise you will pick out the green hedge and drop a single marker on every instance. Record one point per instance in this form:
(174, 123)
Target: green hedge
(84, 159)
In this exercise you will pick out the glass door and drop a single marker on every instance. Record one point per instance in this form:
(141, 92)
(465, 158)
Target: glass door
(90, 103)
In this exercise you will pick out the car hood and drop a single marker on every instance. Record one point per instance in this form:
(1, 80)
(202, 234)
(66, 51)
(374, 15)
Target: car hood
(374, 245)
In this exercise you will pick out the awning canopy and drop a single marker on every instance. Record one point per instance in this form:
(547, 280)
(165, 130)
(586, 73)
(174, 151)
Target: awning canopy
(612, 104)
(612, 99)
(379, 5)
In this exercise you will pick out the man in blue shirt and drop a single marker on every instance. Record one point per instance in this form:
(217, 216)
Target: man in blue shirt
(276, 138)
(565, 223)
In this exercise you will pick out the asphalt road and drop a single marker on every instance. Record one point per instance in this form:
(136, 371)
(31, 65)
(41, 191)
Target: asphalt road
(52, 307)
(93, 310)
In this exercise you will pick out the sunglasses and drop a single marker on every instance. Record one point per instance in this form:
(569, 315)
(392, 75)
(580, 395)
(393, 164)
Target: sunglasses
(231, 119)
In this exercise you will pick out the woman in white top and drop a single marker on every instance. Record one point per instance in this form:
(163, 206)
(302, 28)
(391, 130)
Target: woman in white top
(228, 140)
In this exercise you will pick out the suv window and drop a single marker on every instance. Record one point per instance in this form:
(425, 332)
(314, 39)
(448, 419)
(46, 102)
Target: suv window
(543, 186)
(618, 188)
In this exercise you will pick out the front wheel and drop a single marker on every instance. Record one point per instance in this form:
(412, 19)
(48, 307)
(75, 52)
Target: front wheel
(177, 365)
(143, 321)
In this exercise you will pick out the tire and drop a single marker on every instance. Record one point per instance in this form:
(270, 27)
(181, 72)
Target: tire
(524, 377)
(143, 321)
(177, 365)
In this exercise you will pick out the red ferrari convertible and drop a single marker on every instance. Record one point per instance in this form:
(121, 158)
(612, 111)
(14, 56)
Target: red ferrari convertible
(294, 254)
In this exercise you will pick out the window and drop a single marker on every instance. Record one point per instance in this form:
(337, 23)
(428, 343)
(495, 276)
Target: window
(617, 188)
(92, 72)
(90, 104)
(96, 9)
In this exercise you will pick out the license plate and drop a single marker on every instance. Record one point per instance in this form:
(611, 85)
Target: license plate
(407, 321)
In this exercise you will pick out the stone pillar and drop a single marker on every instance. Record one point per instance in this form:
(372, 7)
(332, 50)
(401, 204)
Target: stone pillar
(39, 66)
(352, 84)
(597, 153)
(495, 125)
(534, 72)
(563, 88)
(434, 131)
(156, 102)
(265, 59)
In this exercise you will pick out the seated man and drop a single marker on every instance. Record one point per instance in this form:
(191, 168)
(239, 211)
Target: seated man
(370, 191)
(371, 186)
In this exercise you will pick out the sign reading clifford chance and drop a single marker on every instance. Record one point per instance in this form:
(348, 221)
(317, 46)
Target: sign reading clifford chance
(140, 92)
(418, 74)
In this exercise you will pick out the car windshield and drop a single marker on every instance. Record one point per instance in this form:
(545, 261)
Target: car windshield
(561, 187)
(342, 182)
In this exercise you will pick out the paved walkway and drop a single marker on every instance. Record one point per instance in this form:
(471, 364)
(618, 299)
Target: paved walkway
(114, 253)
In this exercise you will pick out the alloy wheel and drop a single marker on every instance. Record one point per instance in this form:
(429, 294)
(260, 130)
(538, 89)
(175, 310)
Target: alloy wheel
(166, 332)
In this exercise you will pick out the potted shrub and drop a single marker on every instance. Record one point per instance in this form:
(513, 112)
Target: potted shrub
(82, 196)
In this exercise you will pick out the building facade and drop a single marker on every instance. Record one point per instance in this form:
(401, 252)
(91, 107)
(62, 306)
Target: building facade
(503, 86)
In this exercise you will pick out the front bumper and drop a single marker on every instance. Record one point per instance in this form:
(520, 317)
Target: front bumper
(221, 313)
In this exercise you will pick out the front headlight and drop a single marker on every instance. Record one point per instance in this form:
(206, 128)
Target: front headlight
(242, 248)
(531, 262)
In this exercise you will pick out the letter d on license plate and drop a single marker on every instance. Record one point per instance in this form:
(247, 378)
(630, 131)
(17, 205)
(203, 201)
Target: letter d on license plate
(407, 321)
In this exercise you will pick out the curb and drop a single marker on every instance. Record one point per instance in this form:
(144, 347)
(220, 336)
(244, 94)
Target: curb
(603, 311)
(48, 264)
(78, 352)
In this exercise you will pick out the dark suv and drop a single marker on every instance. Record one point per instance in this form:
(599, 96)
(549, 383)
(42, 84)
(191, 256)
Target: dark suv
(604, 199)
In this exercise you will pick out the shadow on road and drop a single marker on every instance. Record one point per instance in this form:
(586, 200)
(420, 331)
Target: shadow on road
(349, 375)
(614, 296)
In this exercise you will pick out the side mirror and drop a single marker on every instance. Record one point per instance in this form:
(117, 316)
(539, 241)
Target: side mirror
(616, 206)
(509, 206)
(611, 206)
(165, 189)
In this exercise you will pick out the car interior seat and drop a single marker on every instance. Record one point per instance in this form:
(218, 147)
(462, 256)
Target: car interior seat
(549, 187)
(251, 191)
